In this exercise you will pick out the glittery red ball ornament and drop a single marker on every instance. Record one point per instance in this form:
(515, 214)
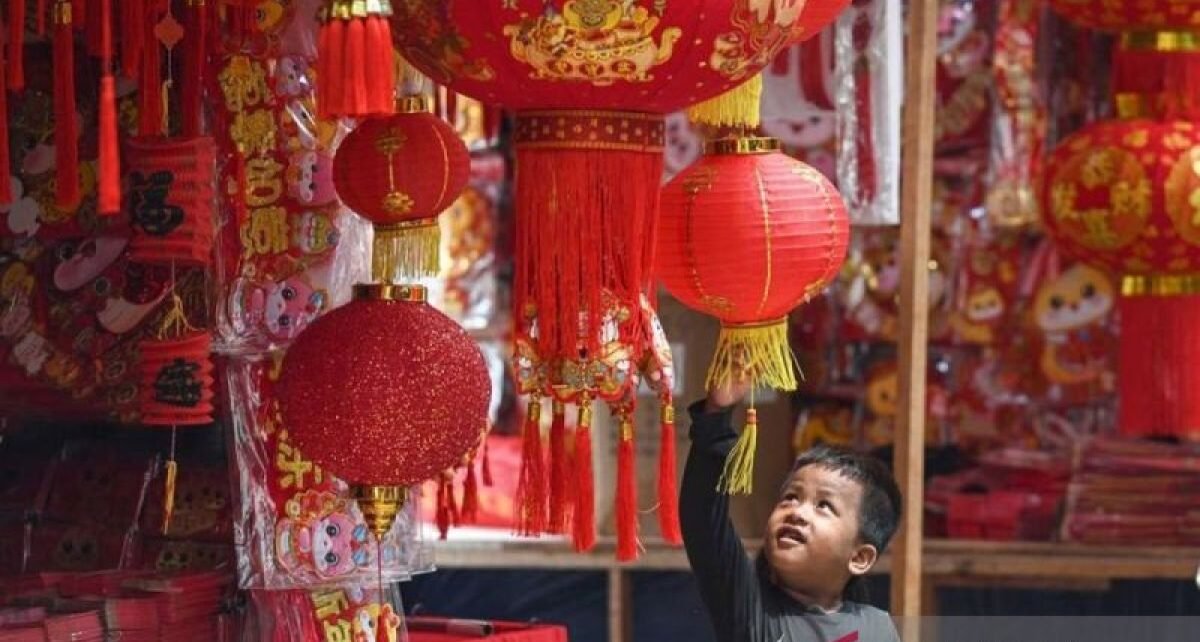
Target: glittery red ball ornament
(385, 390)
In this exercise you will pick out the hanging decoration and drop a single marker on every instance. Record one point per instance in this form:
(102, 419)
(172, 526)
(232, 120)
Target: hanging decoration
(66, 127)
(1120, 194)
(177, 373)
(746, 235)
(400, 172)
(109, 158)
(590, 83)
(171, 200)
(385, 414)
(355, 59)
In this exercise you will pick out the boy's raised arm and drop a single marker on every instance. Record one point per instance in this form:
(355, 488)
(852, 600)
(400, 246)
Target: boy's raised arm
(726, 577)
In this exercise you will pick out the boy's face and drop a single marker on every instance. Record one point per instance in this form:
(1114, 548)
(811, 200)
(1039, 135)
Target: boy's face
(812, 543)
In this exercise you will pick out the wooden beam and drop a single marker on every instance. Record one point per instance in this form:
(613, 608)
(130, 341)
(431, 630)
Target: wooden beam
(916, 194)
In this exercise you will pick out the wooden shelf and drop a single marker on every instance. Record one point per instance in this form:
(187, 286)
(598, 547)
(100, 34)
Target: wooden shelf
(1036, 561)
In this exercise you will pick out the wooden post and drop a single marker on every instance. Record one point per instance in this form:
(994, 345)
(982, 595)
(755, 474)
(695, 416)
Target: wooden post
(916, 202)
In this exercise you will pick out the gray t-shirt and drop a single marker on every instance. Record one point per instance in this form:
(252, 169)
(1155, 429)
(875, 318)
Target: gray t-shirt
(744, 605)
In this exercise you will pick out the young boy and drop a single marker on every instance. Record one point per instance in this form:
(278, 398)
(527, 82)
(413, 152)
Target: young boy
(836, 512)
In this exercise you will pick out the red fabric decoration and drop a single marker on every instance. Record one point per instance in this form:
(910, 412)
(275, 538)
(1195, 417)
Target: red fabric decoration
(401, 402)
(195, 61)
(66, 129)
(355, 53)
(1117, 194)
(405, 167)
(177, 382)
(16, 45)
(133, 25)
(171, 195)
(109, 191)
(150, 109)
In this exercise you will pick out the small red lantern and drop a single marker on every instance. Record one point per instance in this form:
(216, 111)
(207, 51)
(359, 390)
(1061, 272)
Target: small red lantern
(400, 172)
(171, 200)
(177, 380)
(1122, 195)
(385, 392)
(745, 235)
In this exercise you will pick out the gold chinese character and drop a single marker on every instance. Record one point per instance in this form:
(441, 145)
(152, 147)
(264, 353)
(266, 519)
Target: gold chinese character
(263, 184)
(292, 465)
(253, 132)
(266, 232)
(243, 83)
(337, 631)
(329, 603)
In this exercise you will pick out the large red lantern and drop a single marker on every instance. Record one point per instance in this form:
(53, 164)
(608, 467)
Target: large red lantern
(400, 172)
(385, 392)
(590, 81)
(746, 234)
(1122, 195)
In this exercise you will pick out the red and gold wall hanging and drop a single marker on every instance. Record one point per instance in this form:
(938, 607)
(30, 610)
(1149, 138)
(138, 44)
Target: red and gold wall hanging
(400, 172)
(746, 235)
(277, 253)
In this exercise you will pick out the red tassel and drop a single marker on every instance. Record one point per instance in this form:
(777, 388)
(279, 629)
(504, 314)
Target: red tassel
(559, 497)
(381, 623)
(66, 134)
(330, 57)
(16, 45)
(5, 164)
(531, 488)
(1156, 375)
(93, 38)
(668, 493)
(585, 491)
(443, 511)
(150, 122)
(381, 81)
(1169, 80)
(40, 19)
(79, 14)
(486, 466)
(354, 66)
(626, 508)
(195, 61)
(109, 191)
(133, 25)
(470, 502)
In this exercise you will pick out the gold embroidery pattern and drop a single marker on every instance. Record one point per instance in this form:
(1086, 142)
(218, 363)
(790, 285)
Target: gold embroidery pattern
(1101, 198)
(1182, 191)
(594, 41)
(761, 29)
(395, 202)
(584, 129)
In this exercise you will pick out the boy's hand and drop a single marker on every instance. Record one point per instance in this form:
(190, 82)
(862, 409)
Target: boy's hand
(721, 397)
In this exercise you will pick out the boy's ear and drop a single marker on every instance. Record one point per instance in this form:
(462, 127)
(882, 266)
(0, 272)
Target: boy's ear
(863, 559)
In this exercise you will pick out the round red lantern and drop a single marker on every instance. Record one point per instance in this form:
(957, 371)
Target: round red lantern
(1122, 195)
(746, 234)
(385, 392)
(171, 199)
(400, 172)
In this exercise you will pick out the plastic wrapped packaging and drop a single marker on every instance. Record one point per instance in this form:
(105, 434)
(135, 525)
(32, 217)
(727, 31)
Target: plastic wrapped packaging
(869, 81)
(349, 613)
(295, 525)
(288, 250)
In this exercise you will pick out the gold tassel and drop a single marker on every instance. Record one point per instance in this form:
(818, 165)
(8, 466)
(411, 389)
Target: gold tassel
(738, 476)
(758, 352)
(406, 252)
(169, 495)
(738, 107)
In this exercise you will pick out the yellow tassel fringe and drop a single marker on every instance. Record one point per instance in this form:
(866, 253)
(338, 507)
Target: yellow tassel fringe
(738, 476)
(759, 353)
(738, 107)
(406, 253)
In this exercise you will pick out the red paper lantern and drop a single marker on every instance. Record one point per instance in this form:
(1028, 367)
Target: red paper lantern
(171, 199)
(1121, 195)
(747, 234)
(400, 172)
(177, 380)
(385, 392)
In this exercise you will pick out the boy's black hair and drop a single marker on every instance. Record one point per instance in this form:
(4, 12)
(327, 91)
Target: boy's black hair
(879, 513)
